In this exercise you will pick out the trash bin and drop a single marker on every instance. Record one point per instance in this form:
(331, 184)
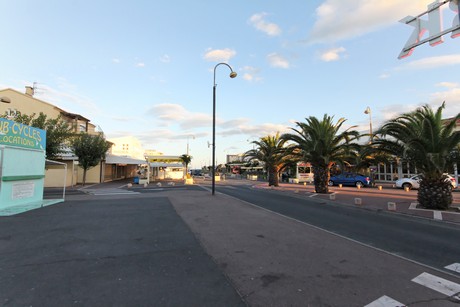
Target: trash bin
(136, 180)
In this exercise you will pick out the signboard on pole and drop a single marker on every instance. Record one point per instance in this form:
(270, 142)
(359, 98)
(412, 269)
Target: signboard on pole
(433, 24)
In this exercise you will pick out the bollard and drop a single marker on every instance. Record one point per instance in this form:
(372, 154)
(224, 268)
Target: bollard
(406, 189)
(358, 201)
(340, 185)
(304, 184)
(358, 187)
(391, 206)
(145, 184)
(332, 196)
(130, 185)
(380, 188)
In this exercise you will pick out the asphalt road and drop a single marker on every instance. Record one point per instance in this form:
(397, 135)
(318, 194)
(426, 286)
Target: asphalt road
(428, 242)
(107, 251)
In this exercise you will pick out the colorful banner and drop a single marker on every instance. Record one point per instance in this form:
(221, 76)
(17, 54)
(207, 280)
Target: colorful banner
(19, 135)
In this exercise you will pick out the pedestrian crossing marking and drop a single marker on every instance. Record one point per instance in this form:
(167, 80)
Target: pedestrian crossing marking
(453, 267)
(385, 301)
(438, 284)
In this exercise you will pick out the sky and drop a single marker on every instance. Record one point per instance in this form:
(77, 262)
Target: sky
(146, 68)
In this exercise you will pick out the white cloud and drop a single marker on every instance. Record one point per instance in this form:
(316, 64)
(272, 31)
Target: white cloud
(66, 97)
(165, 58)
(277, 60)
(344, 19)
(219, 55)
(258, 21)
(140, 64)
(448, 84)
(332, 54)
(174, 114)
(251, 74)
(432, 62)
(384, 76)
(116, 61)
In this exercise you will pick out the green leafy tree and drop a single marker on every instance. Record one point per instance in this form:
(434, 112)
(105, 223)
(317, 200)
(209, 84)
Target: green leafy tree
(186, 159)
(321, 143)
(90, 150)
(272, 151)
(423, 139)
(58, 131)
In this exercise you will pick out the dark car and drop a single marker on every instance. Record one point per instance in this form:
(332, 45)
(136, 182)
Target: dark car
(350, 179)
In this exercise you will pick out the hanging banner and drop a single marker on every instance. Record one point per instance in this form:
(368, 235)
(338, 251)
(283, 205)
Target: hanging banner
(20, 135)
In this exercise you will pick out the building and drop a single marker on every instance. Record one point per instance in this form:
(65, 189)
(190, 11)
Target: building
(65, 170)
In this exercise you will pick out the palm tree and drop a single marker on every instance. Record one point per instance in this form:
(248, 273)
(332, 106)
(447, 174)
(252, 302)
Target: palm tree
(320, 143)
(422, 138)
(272, 151)
(186, 159)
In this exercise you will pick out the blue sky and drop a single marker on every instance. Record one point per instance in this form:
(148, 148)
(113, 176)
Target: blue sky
(145, 68)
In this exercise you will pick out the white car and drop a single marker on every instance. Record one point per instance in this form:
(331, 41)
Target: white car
(414, 182)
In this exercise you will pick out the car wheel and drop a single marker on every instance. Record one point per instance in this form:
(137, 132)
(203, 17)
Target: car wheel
(359, 184)
(407, 186)
(331, 183)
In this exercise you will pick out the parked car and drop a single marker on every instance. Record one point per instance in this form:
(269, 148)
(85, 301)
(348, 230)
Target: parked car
(414, 182)
(350, 179)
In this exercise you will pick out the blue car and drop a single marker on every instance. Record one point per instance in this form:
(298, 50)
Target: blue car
(350, 179)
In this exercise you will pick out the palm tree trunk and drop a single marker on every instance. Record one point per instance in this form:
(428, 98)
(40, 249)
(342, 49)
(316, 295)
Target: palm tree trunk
(435, 194)
(321, 179)
(273, 178)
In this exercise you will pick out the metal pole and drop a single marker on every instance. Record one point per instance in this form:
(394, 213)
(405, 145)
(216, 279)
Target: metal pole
(214, 137)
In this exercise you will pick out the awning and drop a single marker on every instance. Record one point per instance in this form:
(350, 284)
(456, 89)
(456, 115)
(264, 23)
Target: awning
(163, 164)
(111, 159)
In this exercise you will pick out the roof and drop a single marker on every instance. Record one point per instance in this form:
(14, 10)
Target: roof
(112, 159)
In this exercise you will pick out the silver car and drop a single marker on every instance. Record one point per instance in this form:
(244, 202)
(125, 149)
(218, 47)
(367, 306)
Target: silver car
(414, 182)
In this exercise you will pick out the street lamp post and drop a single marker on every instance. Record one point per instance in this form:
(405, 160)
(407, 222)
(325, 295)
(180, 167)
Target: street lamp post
(232, 75)
(368, 111)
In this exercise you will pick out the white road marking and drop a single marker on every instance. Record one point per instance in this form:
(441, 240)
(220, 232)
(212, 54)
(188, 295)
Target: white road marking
(385, 301)
(437, 215)
(413, 206)
(438, 284)
(453, 267)
(313, 195)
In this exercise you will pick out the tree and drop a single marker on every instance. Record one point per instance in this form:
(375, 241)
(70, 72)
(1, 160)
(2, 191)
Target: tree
(423, 139)
(186, 159)
(58, 131)
(272, 151)
(90, 150)
(320, 143)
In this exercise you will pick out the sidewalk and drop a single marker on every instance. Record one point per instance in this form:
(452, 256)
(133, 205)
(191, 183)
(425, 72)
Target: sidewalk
(370, 198)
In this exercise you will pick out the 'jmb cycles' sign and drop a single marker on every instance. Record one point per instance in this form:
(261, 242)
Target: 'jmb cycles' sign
(19, 135)
(434, 26)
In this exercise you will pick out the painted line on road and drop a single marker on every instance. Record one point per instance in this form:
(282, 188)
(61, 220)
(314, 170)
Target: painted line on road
(114, 193)
(313, 195)
(385, 301)
(453, 267)
(413, 206)
(437, 215)
(438, 284)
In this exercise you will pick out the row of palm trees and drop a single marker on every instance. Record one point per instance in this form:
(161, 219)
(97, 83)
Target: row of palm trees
(420, 137)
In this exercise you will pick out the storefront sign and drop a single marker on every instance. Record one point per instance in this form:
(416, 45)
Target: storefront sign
(434, 26)
(19, 135)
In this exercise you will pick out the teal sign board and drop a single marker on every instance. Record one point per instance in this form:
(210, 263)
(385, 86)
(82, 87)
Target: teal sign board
(20, 135)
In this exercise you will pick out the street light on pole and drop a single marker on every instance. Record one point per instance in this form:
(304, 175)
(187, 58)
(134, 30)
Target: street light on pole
(368, 111)
(232, 75)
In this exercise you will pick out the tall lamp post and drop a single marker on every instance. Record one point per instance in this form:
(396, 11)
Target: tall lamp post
(232, 75)
(368, 111)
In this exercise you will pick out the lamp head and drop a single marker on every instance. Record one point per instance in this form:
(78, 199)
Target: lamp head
(367, 111)
(233, 74)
